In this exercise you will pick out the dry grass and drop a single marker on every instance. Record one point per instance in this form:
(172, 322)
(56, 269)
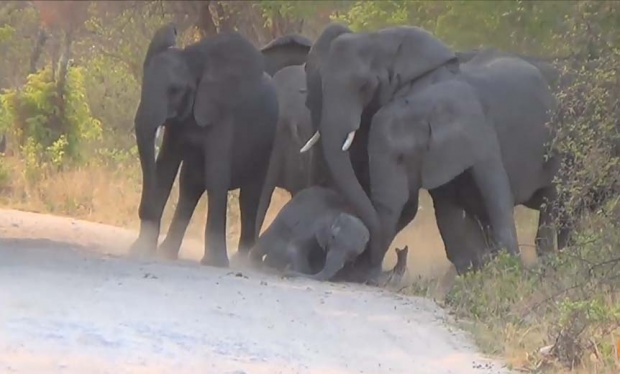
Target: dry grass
(102, 194)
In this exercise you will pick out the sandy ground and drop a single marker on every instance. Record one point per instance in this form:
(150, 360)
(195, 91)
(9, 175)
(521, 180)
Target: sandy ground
(71, 303)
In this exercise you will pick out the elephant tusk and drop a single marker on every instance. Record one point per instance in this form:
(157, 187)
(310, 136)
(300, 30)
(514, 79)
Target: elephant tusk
(157, 132)
(348, 141)
(312, 141)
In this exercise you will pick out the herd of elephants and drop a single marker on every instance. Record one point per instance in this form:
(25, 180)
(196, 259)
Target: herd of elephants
(352, 125)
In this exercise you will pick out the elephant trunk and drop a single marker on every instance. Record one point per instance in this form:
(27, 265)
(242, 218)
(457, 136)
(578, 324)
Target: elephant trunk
(337, 123)
(334, 262)
(151, 114)
(271, 181)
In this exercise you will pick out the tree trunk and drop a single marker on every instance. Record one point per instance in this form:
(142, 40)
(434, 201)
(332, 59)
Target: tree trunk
(38, 49)
(58, 124)
(281, 25)
(63, 62)
(226, 21)
(205, 20)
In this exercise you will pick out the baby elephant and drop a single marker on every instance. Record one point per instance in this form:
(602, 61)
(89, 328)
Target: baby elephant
(314, 235)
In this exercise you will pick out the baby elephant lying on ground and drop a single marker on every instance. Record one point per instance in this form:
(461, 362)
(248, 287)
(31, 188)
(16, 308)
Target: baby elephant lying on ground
(315, 235)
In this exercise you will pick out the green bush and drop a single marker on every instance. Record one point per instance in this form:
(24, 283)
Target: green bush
(51, 127)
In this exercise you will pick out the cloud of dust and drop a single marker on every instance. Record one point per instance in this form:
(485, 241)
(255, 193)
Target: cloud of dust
(426, 258)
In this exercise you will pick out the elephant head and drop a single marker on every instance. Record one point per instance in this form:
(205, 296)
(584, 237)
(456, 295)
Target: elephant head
(343, 240)
(200, 84)
(351, 74)
(285, 51)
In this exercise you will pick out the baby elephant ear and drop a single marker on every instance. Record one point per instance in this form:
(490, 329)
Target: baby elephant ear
(460, 134)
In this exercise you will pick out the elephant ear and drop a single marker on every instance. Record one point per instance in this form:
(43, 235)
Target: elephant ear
(320, 49)
(234, 68)
(163, 38)
(285, 51)
(418, 53)
(328, 230)
(459, 133)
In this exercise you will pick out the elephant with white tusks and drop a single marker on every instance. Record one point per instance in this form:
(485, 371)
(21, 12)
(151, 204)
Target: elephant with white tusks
(290, 169)
(395, 111)
(219, 111)
(226, 144)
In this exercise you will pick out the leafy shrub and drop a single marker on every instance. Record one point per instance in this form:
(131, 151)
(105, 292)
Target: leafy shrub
(588, 120)
(51, 127)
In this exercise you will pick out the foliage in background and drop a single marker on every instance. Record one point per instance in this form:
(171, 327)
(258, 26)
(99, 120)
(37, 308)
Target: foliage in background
(44, 132)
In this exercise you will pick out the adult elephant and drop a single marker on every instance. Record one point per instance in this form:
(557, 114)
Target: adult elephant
(560, 82)
(278, 54)
(351, 77)
(289, 168)
(504, 85)
(219, 111)
(286, 50)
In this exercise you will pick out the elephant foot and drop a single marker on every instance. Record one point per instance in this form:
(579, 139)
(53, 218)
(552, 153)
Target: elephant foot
(218, 261)
(141, 249)
(240, 259)
(374, 276)
(168, 252)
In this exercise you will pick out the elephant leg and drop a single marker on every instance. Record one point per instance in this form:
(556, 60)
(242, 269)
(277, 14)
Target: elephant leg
(460, 234)
(566, 223)
(492, 181)
(153, 201)
(392, 190)
(408, 214)
(215, 230)
(564, 237)
(249, 198)
(190, 192)
(217, 175)
(545, 231)
(390, 209)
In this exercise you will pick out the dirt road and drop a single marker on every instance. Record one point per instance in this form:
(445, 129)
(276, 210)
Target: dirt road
(71, 303)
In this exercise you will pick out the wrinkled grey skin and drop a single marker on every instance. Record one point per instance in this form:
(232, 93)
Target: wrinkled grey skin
(314, 235)
(547, 69)
(219, 112)
(359, 74)
(192, 173)
(544, 245)
(490, 115)
(383, 65)
(288, 168)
